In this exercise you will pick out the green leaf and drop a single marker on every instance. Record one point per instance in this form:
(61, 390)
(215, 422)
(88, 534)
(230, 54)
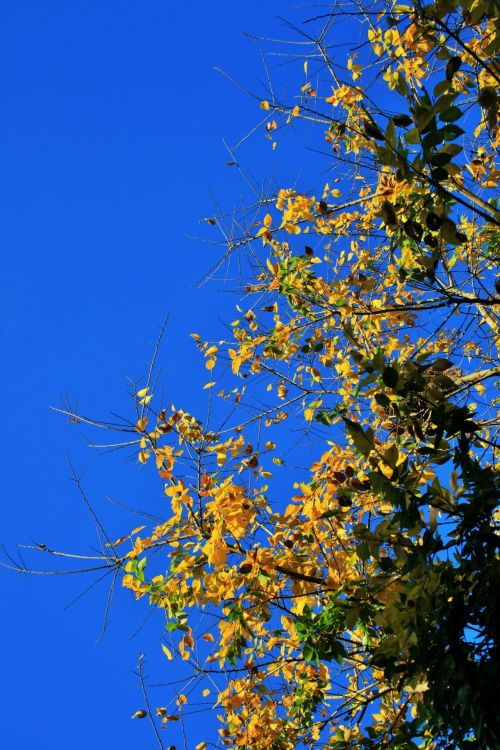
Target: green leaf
(390, 134)
(140, 569)
(329, 514)
(441, 87)
(322, 418)
(364, 441)
(402, 86)
(441, 364)
(450, 114)
(440, 159)
(402, 121)
(425, 120)
(370, 378)
(444, 102)
(382, 400)
(451, 148)
(433, 139)
(310, 653)
(439, 174)
(451, 132)
(412, 137)
(351, 617)
(363, 551)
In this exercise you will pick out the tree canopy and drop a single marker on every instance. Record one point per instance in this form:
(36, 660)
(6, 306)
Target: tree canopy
(348, 601)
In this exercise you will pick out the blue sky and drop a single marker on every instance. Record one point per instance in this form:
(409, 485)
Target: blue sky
(111, 138)
(111, 135)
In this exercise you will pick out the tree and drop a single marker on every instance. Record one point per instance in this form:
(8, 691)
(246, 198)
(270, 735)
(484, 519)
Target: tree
(361, 611)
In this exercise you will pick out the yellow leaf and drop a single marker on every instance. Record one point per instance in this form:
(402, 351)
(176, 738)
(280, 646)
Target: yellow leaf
(142, 392)
(201, 746)
(420, 687)
(167, 652)
(136, 530)
(316, 375)
(219, 554)
(206, 692)
(118, 541)
(264, 105)
(386, 470)
(141, 424)
(268, 220)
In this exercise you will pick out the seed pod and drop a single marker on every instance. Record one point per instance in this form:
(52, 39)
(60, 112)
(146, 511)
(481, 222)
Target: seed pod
(402, 121)
(492, 117)
(487, 97)
(413, 230)
(387, 564)
(430, 275)
(453, 64)
(388, 214)
(449, 230)
(372, 131)
(344, 501)
(431, 271)
(433, 221)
